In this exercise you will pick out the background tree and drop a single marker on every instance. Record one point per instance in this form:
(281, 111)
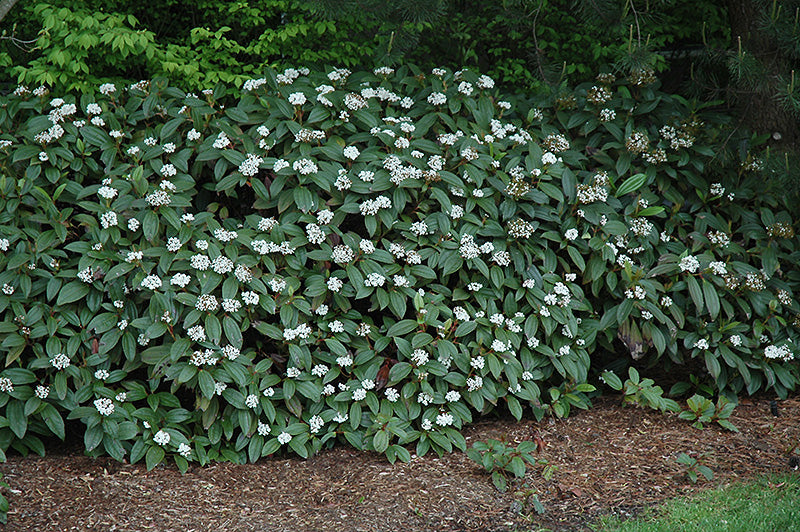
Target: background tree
(741, 54)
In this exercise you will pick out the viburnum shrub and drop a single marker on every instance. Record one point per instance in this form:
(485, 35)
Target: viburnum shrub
(371, 258)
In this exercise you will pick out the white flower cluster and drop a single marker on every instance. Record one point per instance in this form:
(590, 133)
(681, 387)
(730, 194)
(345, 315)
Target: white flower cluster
(485, 82)
(302, 331)
(254, 84)
(222, 141)
(719, 238)
(196, 333)
(287, 77)
(314, 234)
(222, 265)
(782, 352)
(60, 361)
(470, 250)
(437, 98)
(637, 292)
(502, 258)
(374, 280)
(556, 143)
(158, 198)
(305, 166)
(266, 224)
(701, 344)
(249, 166)
(342, 254)
(309, 135)
(151, 282)
(607, 115)
(243, 273)
(161, 438)
(784, 297)
(207, 303)
(205, 357)
(104, 406)
(689, 264)
(597, 191)
(678, 138)
(641, 226)
(351, 152)
(718, 268)
(277, 285)
(297, 98)
(354, 101)
(637, 143)
(370, 207)
(263, 247)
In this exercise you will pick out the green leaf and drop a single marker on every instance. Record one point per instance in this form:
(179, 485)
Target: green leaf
(712, 364)
(213, 328)
(206, 382)
(336, 347)
(650, 211)
(150, 225)
(53, 421)
(96, 136)
(93, 436)
(466, 327)
(711, 298)
(514, 407)
(232, 331)
(399, 372)
(611, 379)
(155, 455)
(17, 421)
(695, 292)
(72, 292)
(623, 163)
(380, 441)
(576, 257)
(518, 467)
(401, 328)
(499, 481)
(304, 199)
(728, 425)
(631, 184)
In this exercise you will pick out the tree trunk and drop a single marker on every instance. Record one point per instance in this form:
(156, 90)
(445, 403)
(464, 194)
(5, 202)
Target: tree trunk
(5, 7)
(760, 110)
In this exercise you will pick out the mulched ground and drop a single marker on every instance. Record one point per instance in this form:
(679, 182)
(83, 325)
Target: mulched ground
(611, 459)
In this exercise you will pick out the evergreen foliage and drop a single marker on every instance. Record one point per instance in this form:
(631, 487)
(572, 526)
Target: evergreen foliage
(371, 258)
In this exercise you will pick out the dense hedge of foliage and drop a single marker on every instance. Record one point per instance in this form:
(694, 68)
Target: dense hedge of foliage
(372, 258)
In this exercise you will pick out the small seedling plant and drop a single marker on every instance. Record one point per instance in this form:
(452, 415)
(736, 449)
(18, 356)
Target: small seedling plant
(695, 466)
(505, 462)
(640, 392)
(702, 410)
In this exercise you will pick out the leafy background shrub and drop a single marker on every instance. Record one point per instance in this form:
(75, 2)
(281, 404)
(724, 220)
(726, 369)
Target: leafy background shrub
(371, 258)
(521, 44)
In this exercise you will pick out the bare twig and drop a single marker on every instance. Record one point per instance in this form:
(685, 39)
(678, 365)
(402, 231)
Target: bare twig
(536, 44)
(22, 44)
(636, 19)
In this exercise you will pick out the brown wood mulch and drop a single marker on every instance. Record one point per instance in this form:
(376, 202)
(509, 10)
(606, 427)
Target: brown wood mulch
(610, 459)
